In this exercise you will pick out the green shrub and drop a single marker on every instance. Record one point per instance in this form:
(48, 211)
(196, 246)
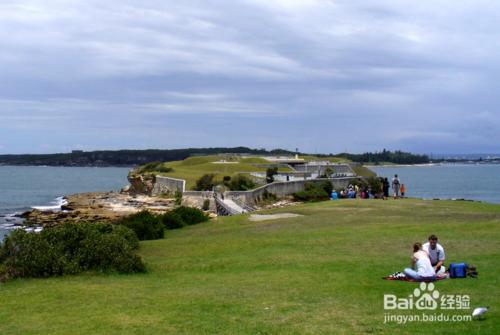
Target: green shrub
(112, 252)
(268, 196)
(171, 220)
(375, 184)
(270, 173)
(226, 180)
(183, 216)
(241, 183)
(146, 225)
(190, 215)
(70, 248)
(178, 197)
(205, 183)
(327, 186)
(313, 192)
(29, 255)
(328, 172)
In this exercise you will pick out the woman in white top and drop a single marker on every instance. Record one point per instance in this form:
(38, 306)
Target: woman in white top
(422, 263)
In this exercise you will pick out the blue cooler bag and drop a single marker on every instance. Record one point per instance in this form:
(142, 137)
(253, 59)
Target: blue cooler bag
(458, 270)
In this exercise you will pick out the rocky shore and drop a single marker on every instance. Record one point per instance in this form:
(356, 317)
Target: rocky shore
(94, 207)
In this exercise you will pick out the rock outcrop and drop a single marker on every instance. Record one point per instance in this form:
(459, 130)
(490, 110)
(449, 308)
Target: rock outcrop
(140, 183)
(98, 207)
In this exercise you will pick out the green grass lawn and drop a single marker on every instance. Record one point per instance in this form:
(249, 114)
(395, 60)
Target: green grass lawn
(315, 274)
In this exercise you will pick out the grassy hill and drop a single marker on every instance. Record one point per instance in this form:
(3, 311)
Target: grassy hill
(319, 273)
(192, 168)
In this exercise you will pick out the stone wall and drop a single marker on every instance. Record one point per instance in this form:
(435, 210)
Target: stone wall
(197, 198)
(280, 189)
(168, 185)
(283, 189)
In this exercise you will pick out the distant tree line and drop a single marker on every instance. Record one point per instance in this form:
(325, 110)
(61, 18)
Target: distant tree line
(140, 157)
(386, 156)
(125, 157)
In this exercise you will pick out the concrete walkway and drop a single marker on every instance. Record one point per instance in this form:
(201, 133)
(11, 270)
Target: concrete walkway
(234, 206)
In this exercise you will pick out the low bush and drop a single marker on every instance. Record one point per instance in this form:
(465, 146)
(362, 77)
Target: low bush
(268, 196)
(190, 215)
(314, 192)
(183, 216)
(270, 173)
(327, 186)
(70, 248)
(171, 220)
(241, 183)
(375, 185)
(205, 183)
(178, 197)
(146, 225)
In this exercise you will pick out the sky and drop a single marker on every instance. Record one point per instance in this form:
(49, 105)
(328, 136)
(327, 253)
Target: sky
(323, 76)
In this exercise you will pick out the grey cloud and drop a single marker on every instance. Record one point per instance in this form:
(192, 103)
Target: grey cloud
(319, 75)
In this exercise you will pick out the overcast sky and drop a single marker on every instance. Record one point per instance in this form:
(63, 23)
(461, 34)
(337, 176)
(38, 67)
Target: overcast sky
(322, 76)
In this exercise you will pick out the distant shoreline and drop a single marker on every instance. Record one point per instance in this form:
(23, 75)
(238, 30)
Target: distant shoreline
(69, 166)
(400, 165)
(431, 164)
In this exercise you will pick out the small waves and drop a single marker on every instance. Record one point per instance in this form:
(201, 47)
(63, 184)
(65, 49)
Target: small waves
(54, 206)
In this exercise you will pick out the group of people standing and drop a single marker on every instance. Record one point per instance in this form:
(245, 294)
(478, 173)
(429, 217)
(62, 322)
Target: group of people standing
(398, 188)
(367, 192)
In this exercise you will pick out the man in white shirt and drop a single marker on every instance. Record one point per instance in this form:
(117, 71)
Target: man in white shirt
(436, 254)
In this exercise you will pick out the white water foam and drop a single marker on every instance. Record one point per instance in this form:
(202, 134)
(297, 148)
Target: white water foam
(55, 206)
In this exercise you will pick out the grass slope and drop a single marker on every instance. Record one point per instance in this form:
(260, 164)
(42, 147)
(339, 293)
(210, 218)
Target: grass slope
(315, 274)
(363, 171)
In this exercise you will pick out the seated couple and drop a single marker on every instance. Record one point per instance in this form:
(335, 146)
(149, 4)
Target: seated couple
(427, 260)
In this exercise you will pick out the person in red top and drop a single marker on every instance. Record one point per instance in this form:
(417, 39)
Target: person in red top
(402, 190)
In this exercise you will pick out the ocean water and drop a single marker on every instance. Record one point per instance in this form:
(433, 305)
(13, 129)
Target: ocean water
(448, 181)
(24, 187)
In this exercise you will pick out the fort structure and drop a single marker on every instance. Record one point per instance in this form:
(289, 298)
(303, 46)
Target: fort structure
(225, 202)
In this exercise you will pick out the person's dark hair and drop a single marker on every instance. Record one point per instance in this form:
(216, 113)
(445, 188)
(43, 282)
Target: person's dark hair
(396, 175)
(433, 238)
(417, 246)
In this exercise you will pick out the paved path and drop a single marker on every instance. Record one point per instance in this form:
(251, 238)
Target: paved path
(234, 206)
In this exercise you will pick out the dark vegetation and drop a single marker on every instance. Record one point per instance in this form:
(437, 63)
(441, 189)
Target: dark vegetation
(146, 225)
(270, 173)
(125, 157)
(205, 183)
(267, 197)
(70, 248)
(314, 192)
(149, 226)
(385, 156)
(190, 215)
(241, 182)
(140, 157)
(178, 197)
